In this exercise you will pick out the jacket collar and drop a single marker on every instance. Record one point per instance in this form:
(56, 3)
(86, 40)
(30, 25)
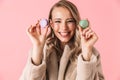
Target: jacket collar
(64, 62)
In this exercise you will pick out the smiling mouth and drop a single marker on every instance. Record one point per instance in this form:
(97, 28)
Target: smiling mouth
(64, 34)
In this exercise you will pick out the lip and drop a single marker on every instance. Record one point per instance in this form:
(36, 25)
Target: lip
(64, 34)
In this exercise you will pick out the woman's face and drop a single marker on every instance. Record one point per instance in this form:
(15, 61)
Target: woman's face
(63, 24)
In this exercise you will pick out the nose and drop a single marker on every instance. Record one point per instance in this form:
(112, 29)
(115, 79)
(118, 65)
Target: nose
(64, 26)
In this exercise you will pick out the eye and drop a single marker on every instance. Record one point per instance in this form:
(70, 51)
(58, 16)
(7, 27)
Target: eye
(71, 21)
(57, 21)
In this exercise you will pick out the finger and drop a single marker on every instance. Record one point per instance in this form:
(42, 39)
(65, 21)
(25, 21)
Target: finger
(46, 30)
(33, 29)
(93, 39)
(81, 35)
(80, 30)
(43, 31)
(85, 30)
(38, 28)
(37, 24)
(87, 34)
(90, 35)
(30, 30)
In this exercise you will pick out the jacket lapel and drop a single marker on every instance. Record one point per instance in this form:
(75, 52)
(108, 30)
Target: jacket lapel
(64, 61)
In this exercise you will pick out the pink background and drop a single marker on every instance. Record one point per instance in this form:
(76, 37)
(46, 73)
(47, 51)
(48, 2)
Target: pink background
(17, 15)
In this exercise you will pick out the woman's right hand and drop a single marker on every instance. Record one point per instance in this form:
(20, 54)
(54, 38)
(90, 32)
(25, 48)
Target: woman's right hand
(37, 34)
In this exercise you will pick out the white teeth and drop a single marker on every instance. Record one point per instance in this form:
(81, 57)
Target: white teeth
(64, 33)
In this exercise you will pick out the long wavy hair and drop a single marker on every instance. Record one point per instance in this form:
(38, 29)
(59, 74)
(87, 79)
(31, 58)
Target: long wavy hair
(53, 43)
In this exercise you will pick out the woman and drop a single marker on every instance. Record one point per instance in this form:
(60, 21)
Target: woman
(63, 50)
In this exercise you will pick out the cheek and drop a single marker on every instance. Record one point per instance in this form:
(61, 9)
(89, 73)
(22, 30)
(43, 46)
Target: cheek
(55, 28)
(73, 28)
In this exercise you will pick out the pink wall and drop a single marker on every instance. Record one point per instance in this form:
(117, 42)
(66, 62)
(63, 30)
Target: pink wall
(17, 15)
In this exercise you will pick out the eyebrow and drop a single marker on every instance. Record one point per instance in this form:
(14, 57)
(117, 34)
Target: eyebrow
(57, 19)
(61, 19)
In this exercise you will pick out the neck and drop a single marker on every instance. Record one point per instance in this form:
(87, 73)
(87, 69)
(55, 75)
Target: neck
(62, 45)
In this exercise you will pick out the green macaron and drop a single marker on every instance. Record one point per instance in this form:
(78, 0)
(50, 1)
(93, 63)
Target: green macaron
(84, 23)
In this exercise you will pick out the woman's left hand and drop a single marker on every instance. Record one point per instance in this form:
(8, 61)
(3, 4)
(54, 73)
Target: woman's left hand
(88, 39)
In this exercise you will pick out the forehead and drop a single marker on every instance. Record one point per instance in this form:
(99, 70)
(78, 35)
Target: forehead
(61, 12)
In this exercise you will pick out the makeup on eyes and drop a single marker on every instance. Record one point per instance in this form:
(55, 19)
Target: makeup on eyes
(59, 20)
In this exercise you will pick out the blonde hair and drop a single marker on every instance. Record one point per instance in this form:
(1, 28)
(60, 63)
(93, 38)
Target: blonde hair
(74, 43)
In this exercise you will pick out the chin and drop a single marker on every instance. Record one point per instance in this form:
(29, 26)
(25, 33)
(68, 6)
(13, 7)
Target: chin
(64, 40)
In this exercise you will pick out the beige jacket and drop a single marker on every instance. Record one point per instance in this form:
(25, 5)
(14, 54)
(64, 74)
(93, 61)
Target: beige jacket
(68, 70)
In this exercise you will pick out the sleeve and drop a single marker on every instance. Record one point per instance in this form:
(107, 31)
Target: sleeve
(90, 70)
(33, 72)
